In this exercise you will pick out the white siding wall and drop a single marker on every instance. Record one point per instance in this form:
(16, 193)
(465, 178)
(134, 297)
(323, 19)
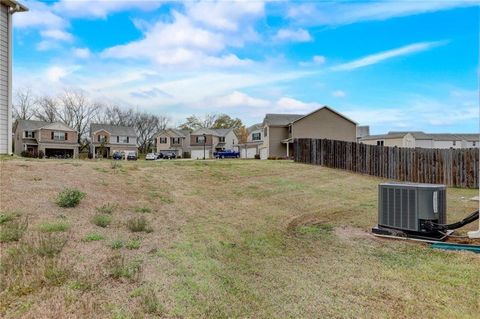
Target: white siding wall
(4, 77)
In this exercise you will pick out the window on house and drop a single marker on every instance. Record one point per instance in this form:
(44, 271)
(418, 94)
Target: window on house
(256, 136)
(380, 143)
(118, 139)
(128, 139)
(101, 138)
(29, 134)
(175, 140)
(59, 136)
(200, 139)
(221, 139)
(162, 140)
(265, 132)
(454, 143)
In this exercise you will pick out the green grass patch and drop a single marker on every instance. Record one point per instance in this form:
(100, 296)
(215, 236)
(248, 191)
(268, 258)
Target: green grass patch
(139, 224)
(93, 237)
(133, 244)
(13, 230)
(102, 220)
(56, 226)
(142, 210)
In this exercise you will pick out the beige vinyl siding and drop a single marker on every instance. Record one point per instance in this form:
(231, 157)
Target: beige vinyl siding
(4, 125)
(325, 124)
(275, 137)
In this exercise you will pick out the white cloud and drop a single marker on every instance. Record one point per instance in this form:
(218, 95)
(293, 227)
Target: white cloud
(339, 93)
(334, 13)
(82, 53)
(56, 73)
(57, 34)
(316, 60)
(385, 55)
(293, 35)
(225, 15)
(101, 8)
(39, 15)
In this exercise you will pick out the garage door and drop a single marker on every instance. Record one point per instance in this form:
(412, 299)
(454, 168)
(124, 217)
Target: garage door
(198, 154)
(249, 152)
(264, 153)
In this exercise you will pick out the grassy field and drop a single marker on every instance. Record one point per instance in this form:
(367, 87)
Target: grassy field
(216, 239)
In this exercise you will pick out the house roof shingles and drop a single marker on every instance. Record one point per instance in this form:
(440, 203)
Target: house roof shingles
(113, 129)
(281, 119)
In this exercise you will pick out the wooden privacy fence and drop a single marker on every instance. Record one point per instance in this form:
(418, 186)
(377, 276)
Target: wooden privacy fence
(452, 167)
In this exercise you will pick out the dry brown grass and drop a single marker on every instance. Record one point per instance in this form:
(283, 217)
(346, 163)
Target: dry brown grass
(236, 238)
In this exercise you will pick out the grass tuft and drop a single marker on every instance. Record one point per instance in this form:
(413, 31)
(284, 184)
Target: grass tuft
(139, 224)
(50, 227)
(142, 210)
(13, 230)
(117, 244)
(133, 244)
(102, 220)
(70, 197)
(107, 208)
(93, 237)
(118, 267)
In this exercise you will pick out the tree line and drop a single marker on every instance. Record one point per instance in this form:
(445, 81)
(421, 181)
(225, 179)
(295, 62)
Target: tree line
(77, 110)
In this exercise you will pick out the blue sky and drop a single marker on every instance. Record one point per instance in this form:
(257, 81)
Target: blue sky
(393, 65)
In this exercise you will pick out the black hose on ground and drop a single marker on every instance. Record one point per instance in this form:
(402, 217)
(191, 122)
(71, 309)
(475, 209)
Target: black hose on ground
(467, 220)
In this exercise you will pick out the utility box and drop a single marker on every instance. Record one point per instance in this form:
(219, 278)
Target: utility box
(407, 206)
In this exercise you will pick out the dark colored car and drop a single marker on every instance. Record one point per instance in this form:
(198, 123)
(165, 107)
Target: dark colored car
(117, 156)
(167, 155)
(132, 156)
(226, 154)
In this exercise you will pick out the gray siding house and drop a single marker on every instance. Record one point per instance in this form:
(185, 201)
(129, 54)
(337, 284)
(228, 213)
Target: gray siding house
(7, 8)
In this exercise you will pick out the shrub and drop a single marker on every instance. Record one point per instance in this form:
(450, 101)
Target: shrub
(93, 237)
(139, 224)
(70, 197)
(51, 227)
(6, 217)
(119, 268)
(117, 244)
(142, 210)
(257, 156)
(49, 244)
(186, 155)
(90, 155)
(133, 244)
(150, 302)
(13, 230)
(41, 154)
(107, 208)
(102, 220)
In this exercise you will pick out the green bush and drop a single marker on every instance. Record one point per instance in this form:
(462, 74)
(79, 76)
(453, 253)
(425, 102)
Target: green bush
(119, 268)
(51, 227)
(139, 224)
(13, 230)
(93, 237)
(69, 197)
(102, 220)
(6, 217)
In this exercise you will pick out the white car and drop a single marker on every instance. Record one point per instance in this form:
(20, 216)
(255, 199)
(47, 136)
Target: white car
(150, 157)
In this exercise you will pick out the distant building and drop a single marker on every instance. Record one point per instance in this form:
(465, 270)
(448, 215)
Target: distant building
(108, 139)
(7, 9)
(363, 131)
(253, 143)
(280, 130)
(423, 140)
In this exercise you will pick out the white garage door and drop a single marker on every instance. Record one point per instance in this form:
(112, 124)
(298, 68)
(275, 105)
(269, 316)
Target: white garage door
(198, 154)
(263, 153)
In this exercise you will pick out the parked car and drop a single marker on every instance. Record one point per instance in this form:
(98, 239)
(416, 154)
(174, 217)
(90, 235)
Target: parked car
(226, 154)
(117, 156)
(150, 157)
(167, 155)
(132, 156)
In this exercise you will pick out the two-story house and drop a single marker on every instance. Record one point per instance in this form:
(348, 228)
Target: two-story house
(280, 130)
(173, 140)
(7, 9)
(204, 141)
(52, 139)
(254, 141)
(107, 139)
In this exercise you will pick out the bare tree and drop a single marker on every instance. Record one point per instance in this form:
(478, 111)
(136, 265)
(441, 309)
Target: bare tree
(23, 107)
(147, 125)
(46, 109)
(194, 122)
(114, 115)
(77, 111)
